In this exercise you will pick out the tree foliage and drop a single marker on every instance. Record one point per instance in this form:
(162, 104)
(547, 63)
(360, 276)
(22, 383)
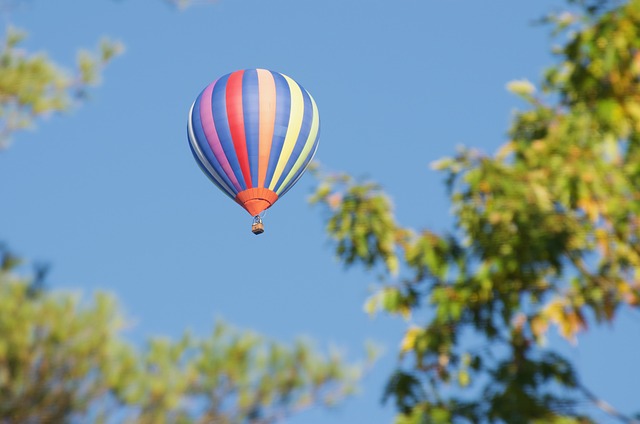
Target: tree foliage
(65, 360)
(33, 86)
(545, 236)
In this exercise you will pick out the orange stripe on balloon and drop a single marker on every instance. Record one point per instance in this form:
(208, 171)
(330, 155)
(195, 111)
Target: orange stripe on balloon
(267, 96)
(235, 115)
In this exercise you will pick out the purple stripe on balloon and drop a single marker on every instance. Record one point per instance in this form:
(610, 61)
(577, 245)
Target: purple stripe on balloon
(200, 145)
(210, 132)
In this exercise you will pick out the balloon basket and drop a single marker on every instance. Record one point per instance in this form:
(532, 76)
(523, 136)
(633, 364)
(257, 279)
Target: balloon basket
(257, 227)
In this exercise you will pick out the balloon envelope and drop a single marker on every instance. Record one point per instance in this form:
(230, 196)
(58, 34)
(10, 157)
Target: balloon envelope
(254, 132)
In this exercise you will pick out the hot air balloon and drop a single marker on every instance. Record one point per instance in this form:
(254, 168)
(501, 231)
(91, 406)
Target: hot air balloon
(253, 133)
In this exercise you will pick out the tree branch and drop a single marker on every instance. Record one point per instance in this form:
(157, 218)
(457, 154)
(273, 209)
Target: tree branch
(605, 407)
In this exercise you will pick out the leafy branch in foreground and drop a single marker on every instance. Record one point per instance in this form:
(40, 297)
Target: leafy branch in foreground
(546, 234)
(64, 360)
(32, 86)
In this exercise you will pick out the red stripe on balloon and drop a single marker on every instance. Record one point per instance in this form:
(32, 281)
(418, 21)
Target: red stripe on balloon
(235, 115)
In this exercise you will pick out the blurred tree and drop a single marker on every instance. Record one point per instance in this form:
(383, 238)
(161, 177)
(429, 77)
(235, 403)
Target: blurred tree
(66, 361)
(33, 86)
(546, 234)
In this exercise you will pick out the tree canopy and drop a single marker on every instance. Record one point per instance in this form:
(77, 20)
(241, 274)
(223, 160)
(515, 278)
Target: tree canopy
(32, 85)
(63, 359)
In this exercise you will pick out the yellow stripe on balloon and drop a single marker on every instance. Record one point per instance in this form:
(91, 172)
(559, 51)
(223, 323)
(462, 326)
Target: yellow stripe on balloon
(306, 151)
(295, 123)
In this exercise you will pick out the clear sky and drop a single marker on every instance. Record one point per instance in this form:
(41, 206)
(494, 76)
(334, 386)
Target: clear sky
(111, 196)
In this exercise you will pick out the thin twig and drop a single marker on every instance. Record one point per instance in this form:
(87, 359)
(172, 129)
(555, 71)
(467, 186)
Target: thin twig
(607, 408)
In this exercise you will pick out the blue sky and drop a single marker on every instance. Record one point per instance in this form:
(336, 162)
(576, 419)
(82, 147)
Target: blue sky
(111, 197)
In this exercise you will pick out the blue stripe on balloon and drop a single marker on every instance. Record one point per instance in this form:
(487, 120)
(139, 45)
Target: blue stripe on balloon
(219, 111)
(251, 111)
(303, 136)
(201, 139)
(206, 171)
(283, 112)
